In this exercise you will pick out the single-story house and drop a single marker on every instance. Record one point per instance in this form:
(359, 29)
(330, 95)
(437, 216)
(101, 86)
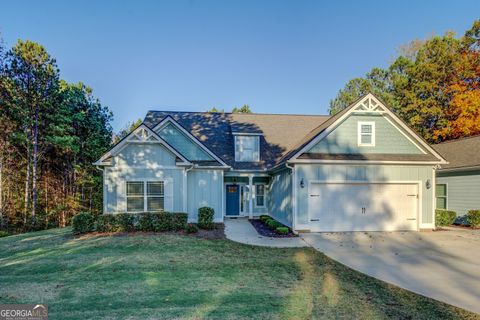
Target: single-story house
(362, 169)
(458, 182)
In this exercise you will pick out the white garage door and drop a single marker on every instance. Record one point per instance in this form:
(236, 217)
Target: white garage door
(363, 207)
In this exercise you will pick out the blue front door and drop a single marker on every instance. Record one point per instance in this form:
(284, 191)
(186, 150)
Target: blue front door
(233, 199)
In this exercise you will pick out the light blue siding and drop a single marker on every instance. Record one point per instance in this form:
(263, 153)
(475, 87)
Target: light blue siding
(135, 162)
(188, 148)
(144, 154)
(280, 197)
(205, 188)
(344, 138)
(463, 190)
(372, 173)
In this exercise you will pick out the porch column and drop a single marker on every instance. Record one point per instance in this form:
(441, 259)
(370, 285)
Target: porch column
(250, 197)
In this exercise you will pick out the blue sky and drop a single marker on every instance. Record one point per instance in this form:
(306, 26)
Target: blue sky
(276, 56)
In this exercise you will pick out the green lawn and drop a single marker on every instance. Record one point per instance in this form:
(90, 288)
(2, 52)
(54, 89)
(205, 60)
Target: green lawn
(173, 276)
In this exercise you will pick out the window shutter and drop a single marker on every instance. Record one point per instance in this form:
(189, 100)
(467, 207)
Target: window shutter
(168, 183)
(121, 196)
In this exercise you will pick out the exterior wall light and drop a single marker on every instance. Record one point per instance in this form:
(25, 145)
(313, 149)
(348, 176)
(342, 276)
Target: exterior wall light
(302, 184)
(428, 184)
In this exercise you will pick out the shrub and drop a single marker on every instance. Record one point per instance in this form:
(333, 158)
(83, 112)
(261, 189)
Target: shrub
(473, 218)
(107, 223)
(444, 217)
(161, 221)
(264, 218)
(282, 230)
(272, 224)
(145, 221)
(4, 234)
(125, 222)
(205, 218)
(178, 220)
(191, 228)
(83, 222)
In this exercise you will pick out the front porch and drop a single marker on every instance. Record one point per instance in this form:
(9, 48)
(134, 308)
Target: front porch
(246, 195)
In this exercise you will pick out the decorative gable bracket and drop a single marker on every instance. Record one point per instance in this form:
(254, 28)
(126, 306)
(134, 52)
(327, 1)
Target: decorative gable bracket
(369, 104)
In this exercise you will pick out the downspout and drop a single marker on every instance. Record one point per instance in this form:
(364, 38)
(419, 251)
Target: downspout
(294, 195)
(185, 188)
(104, 194)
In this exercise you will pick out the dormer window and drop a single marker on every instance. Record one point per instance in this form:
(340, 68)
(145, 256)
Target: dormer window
(247, 148)
(366, 134)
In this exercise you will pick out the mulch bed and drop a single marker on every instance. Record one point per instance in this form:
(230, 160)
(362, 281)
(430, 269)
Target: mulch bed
(263, 230)
(217, 233)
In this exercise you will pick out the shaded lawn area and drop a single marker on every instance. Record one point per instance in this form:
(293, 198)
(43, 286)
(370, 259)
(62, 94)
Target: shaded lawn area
(175, 276)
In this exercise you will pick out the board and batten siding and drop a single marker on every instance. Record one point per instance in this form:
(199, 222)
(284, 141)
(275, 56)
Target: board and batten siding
(463, 190)
(205, 188)
(344, 138)
(280, 197)
(363, 173)
(142, 162)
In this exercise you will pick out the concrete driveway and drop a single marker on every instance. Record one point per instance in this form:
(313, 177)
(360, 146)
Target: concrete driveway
(443, 265)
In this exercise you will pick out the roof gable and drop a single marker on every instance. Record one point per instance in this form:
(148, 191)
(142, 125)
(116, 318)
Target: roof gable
(141, 135)
(389, 139)
(278, 132)
(366, 106)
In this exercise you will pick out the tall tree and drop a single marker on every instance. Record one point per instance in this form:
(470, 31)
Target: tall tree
(50, 134)
(35, 83)
(433, 86)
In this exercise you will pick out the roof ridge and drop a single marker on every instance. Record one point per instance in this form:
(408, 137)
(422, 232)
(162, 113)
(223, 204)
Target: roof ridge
(253, 113)
(458, 139)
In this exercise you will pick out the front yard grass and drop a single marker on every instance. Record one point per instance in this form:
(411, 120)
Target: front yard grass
(174, 276)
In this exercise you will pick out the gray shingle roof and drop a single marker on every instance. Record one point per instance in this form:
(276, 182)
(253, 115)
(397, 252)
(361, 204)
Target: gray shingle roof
(279, 132)
(461, 153)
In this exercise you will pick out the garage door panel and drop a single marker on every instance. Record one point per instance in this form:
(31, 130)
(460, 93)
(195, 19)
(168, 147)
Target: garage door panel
(363, 207)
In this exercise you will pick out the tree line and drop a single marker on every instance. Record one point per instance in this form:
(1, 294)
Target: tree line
(433, 85)
(51, 132)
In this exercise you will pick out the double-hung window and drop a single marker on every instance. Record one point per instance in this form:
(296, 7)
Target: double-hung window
(247, 148)
(145, 196)
(366, 134)
(441, 195)
(260, 195)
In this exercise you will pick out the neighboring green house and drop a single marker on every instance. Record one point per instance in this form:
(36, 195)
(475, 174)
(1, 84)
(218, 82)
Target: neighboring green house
(360, 170)
(458, 182)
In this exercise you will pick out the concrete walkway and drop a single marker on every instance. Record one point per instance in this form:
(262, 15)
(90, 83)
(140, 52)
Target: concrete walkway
(443, 265)
(240, 230)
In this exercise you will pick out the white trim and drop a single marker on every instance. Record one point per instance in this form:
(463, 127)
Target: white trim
(126, 140)
(223, 197)
(184, 187)
(105, 191)
(250, 193)
(246, 173)
(332, 126)
(264, 195)
(168, 118)
(236, 133)
(359, 133)
(153, 167)
(360, 161)
(145, 194)
(459, 169)
(417, 182)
